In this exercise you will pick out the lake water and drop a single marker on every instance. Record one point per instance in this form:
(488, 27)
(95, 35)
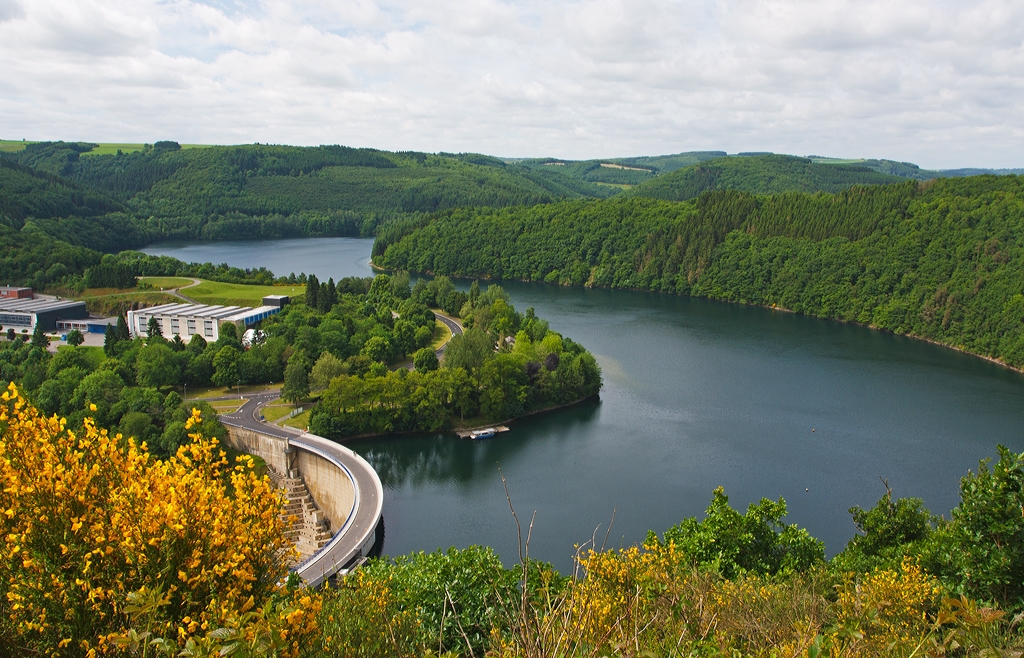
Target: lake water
(697, 394)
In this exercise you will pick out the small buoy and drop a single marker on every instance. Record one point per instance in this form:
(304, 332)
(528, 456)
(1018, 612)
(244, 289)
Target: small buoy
(812, 429)
(806, 489)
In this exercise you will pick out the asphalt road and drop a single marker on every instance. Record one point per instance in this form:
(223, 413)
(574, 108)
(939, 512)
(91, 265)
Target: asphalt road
(452, 325)
(358, 531)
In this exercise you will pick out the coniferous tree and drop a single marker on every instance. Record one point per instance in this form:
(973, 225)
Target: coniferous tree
(153, 328)
(312, 291)
(39, 337)
(109, 340)
(122, 330)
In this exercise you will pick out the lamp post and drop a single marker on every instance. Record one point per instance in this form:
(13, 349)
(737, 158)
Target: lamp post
(185, 389)
(239, 385)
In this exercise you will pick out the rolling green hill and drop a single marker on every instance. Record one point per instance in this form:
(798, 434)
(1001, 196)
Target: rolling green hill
(271, 191)
(762, 174)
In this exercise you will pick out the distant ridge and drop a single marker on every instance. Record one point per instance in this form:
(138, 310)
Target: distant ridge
(758, 174)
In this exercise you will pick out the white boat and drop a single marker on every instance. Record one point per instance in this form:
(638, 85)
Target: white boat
(485, 433)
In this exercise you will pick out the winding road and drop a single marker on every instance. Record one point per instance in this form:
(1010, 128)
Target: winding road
(353, 539)
(453, 325)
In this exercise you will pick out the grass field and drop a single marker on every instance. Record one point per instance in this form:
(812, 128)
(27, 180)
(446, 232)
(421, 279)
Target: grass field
(104, 148)
(234, 294)
(12, 146)
(165, 282)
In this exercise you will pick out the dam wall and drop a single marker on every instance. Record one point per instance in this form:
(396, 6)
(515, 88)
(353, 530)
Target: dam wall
(343, 486)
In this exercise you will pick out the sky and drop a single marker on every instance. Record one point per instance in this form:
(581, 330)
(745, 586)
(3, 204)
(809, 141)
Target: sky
(939, 83)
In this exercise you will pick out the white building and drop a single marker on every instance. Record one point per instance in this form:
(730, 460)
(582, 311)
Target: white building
(187, 320)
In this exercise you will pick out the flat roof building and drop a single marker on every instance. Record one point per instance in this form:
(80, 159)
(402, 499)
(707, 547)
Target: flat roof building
(187, 320)
(90, 325)
(27, 313)
(12, 292)
(276, 300)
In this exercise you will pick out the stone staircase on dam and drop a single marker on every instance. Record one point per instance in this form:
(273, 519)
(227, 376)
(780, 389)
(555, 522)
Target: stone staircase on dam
(309, 529)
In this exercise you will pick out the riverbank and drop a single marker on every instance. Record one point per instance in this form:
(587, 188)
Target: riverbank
(771, 307)
(461, 428)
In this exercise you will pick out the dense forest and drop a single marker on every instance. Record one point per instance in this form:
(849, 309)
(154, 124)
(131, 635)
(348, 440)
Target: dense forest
(940, 260)
(276, 191)
(761, 174)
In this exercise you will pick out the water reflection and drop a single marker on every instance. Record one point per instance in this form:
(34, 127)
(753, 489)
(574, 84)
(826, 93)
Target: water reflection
(441, 459)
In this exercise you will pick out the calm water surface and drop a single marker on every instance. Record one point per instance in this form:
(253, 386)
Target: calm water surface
(697, 395)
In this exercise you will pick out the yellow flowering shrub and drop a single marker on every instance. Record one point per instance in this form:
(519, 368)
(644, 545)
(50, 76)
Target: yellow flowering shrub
(89, 518)
(886, 611)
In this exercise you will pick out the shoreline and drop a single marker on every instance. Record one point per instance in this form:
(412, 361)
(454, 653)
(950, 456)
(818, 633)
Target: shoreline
(955, 348)
(509, 421)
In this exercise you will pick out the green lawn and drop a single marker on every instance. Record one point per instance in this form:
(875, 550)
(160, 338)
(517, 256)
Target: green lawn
(274, 412)
(234, 294)
(300, 422)
(165, 282)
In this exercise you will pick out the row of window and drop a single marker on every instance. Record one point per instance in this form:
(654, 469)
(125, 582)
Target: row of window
(190, 326)
(19, 320)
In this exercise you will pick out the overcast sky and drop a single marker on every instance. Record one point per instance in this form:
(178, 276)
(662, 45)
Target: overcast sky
(933, 82)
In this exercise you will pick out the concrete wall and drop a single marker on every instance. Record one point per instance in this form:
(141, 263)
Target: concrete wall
(331, 487)
(270, 449)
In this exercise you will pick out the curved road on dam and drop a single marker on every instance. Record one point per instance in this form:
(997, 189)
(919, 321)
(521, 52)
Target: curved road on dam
(359, 530)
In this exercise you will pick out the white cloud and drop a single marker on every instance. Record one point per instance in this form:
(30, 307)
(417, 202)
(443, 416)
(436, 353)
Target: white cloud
(931, 81)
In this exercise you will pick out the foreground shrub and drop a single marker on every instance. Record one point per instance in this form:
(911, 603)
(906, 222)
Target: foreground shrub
(100, 541)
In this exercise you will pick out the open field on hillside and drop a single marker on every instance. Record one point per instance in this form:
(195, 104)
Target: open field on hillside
(234, 294)
(112, 149)
(12, 145)
(15, 145)
(164, 282)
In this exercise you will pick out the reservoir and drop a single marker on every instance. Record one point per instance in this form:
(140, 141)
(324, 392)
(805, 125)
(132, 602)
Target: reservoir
(697, 394)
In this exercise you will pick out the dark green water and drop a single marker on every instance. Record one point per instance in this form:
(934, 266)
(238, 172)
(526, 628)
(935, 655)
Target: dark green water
(697, 394)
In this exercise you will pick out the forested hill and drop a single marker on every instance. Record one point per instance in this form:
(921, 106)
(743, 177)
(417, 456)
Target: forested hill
(762, 174)
(272, 191)
(942, 260)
